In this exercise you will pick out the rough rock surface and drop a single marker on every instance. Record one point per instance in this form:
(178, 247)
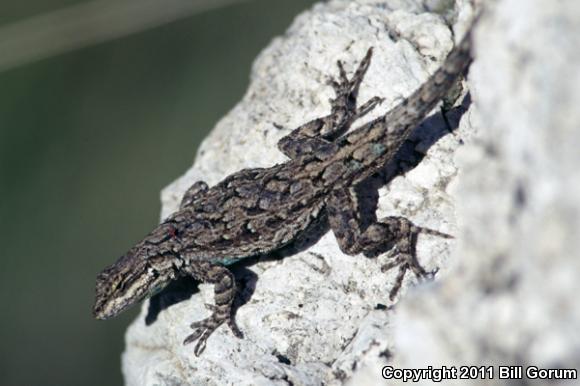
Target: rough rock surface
(317, 316)
(510, 296)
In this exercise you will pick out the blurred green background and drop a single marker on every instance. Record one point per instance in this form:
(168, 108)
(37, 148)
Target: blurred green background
(87, 140)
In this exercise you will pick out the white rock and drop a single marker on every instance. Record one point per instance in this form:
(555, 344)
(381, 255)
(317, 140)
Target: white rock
(511, 297)
(318, 316)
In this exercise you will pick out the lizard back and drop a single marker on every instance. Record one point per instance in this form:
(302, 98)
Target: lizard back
(258, 210)
(252, 211)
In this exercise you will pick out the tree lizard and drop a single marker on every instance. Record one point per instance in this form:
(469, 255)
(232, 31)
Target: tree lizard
(258, 211)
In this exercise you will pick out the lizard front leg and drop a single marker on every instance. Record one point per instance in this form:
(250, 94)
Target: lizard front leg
(316, 134)
(224, 294)
(396, 232)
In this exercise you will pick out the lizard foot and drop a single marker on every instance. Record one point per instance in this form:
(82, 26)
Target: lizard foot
(405, 254)
(406, 262)
(204, 328)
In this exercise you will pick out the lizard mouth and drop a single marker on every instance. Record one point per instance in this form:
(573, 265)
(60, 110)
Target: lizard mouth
(99, 310)
(104, 309)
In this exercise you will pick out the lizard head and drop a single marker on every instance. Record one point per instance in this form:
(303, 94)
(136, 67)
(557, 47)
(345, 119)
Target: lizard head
(141, 272)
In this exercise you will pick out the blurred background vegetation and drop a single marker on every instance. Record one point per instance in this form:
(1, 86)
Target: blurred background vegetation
(88, 138)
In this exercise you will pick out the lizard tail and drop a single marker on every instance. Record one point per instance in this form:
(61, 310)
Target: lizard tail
(415, 107)
(382, 137)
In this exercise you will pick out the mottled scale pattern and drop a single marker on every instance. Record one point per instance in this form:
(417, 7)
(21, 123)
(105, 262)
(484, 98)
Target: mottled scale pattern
(256, 211)
(230, 217)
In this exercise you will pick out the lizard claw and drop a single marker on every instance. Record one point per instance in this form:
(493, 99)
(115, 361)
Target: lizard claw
(204, 328)
(200, 334)
(406, 262)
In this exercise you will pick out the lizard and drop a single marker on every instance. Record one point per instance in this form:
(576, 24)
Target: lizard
(258, 211)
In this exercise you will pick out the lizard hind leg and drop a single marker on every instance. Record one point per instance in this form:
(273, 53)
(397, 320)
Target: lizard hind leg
(394, 232)
(318, 134)
(404, 235)
(224, 294)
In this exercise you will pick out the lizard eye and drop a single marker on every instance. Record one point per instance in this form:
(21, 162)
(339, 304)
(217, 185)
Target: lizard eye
(120, 286)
